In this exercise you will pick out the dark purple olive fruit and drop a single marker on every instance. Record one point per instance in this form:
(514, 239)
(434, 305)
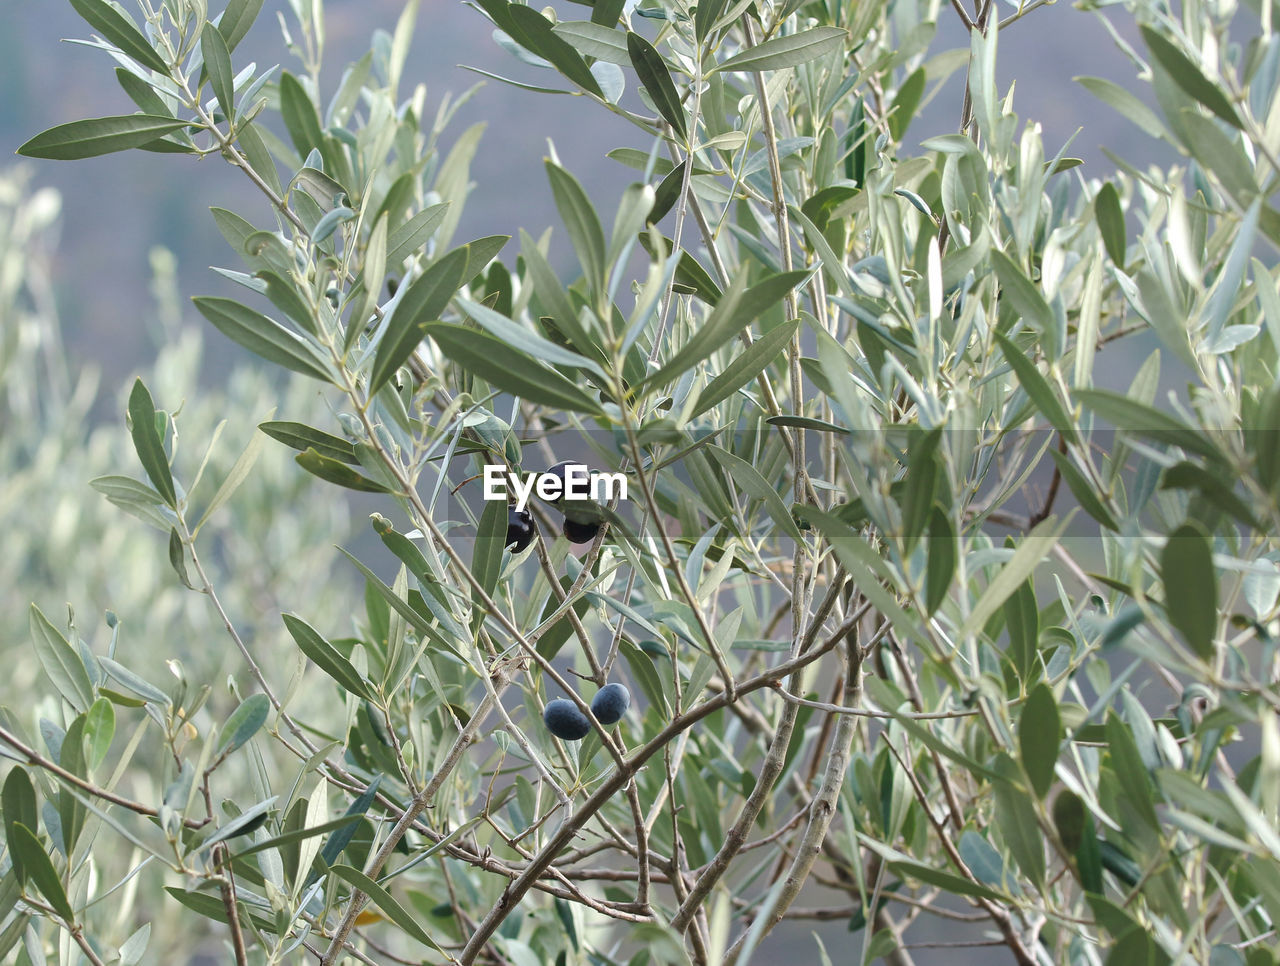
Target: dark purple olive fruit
(519, 529)
(611, 703)
(577, 532)
(565, 721)
(558, 471)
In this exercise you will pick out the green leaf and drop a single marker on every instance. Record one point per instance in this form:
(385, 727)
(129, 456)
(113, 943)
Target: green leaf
(99, 729)
(1135, 417)
(302, 437)
(581, 222)
(1083, 491)
(60, 661)
(142, 93)
(734, 312)
(524, 340)
(1212, 486)
(413, 234)
(38, 867)
(1026, 299)
(509, 370)
(71, 810)
(326, 657)
(807, 423)
(788, 51)
(134, 682)
(747, 478)
(336, 472)
(940, 565)
(921, 484)
(948, 882)
(1039, 735)
(385, 902)
(118, 29)
(340, 824)
(421, 620)
(986, 864)
(18, 805)
(1126, 103)
(656, 78)
(244, 723)
(339, 841)
(238, 473)
(595, 40)
(1110, 218)
(263, 336)
(96, 136)
(237, 19)
(1126, 762)
(905, 102)
(1191, 587)
(1022, 618)
(746, 366)
(1017, 823)
(300, 117)
(1190, 78)
(211, 907)
(533, 31)
(486, 559)
(1038, 389)
(1069, 820)
(177, 559)
(217, 61)
(1032, 548)
(147, 442)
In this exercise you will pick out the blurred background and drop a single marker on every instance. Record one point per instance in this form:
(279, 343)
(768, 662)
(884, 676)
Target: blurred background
(99, 258)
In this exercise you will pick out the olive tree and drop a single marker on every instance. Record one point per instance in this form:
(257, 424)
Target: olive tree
(925, 612)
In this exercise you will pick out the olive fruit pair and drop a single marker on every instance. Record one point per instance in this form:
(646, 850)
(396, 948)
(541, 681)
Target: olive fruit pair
(564, 719)
(578, 526)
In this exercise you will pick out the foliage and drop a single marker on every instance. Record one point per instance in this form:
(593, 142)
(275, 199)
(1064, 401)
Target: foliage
(915, 605)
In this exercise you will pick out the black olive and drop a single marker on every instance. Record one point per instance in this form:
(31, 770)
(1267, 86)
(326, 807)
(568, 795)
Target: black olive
(611, 703)
(519, 529)
(564, 720)
(577, 532)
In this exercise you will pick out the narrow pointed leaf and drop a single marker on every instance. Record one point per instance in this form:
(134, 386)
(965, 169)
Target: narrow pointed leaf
(582, 223)
(788, 51)
(1191, 587)
(60, 661)
(326, 657)
(336, 472)
(263, 336)
(656, 78)
(237, 19)
(534, 32)
(385, 902)
(1038, 388)
(509, 370)
(746, 366)
(217, 61)
(117, 28)
(96, 136)
(1039, 735)
(1110, 218)
(244, 722)
(39, 869)
(1187, 75)
(302, 437)
(147, 442)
